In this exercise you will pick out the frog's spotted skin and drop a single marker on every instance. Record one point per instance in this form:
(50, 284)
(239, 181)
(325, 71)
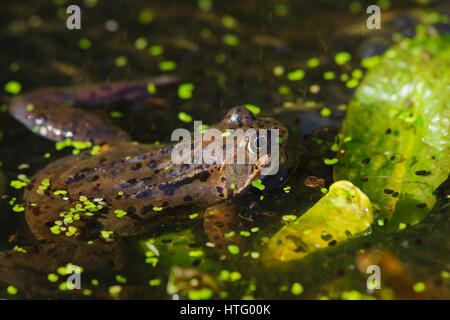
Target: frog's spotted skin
(139, 179)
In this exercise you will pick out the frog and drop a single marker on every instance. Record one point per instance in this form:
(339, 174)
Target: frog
(80, 207)
(125, 188)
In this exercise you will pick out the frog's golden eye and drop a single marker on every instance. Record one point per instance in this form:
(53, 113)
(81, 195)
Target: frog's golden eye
(257, 142)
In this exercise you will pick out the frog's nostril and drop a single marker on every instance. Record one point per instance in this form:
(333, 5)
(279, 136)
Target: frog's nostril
(240, 115)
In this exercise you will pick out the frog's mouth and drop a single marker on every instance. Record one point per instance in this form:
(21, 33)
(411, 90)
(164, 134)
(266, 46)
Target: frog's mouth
(272, 182)
(288, 162)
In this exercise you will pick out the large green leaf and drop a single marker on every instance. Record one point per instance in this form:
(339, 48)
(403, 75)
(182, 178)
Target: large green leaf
(395, 140)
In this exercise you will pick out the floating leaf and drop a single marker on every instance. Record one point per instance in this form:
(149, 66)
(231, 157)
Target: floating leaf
(342, 213)
(399, 122)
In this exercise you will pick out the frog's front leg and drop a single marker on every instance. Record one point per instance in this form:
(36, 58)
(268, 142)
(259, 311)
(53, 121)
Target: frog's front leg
(53, 113)
(222, 225)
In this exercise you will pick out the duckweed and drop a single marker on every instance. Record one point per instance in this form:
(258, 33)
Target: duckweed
(140, 43)
(52, 277)
(146, 16)
(296, 75)
(115, 290)
(330, 162)
(325, 112)
(230, 40)
(278, 71)
(85, 43)
(121, 279)
(235, 276)
(154, 282)
(156, 50)
(229, 234)
(342, 58)
(254, 109)
(258, 184)
(167, 65)
(296, 289)
(229, 22)
(196, 253)
(183, 116)
(200, 294)
(151, 88)
(329, 75)
(12, 290)
(120, 213)
(185, 90)
(13, 87)
(60, 192)
(233, 249)
(193, 216)
(17, 184)
(121, 61)
(289, 217)
(419, 287)
(18, 208)
(370, 63)
(313, 62)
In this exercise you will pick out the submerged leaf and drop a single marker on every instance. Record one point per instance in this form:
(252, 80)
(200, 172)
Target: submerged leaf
(195, 283)
(399, 122)
(176, 249)
(342, 213)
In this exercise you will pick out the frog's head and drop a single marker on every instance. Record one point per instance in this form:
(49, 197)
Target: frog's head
(230, 156)
(262, 141)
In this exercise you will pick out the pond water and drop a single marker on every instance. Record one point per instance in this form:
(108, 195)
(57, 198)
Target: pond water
(233, 53)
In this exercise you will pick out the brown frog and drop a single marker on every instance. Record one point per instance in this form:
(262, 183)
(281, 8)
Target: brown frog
(80, 206)
(128, 183)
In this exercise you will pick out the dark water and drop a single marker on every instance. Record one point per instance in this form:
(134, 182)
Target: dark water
(229, 53)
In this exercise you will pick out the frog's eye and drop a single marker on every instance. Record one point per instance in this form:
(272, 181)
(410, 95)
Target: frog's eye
(257, 142)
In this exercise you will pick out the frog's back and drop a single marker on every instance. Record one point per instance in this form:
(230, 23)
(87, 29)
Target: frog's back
(136, 179)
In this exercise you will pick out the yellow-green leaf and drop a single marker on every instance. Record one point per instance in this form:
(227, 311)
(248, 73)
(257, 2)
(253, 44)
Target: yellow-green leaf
(345, 205)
